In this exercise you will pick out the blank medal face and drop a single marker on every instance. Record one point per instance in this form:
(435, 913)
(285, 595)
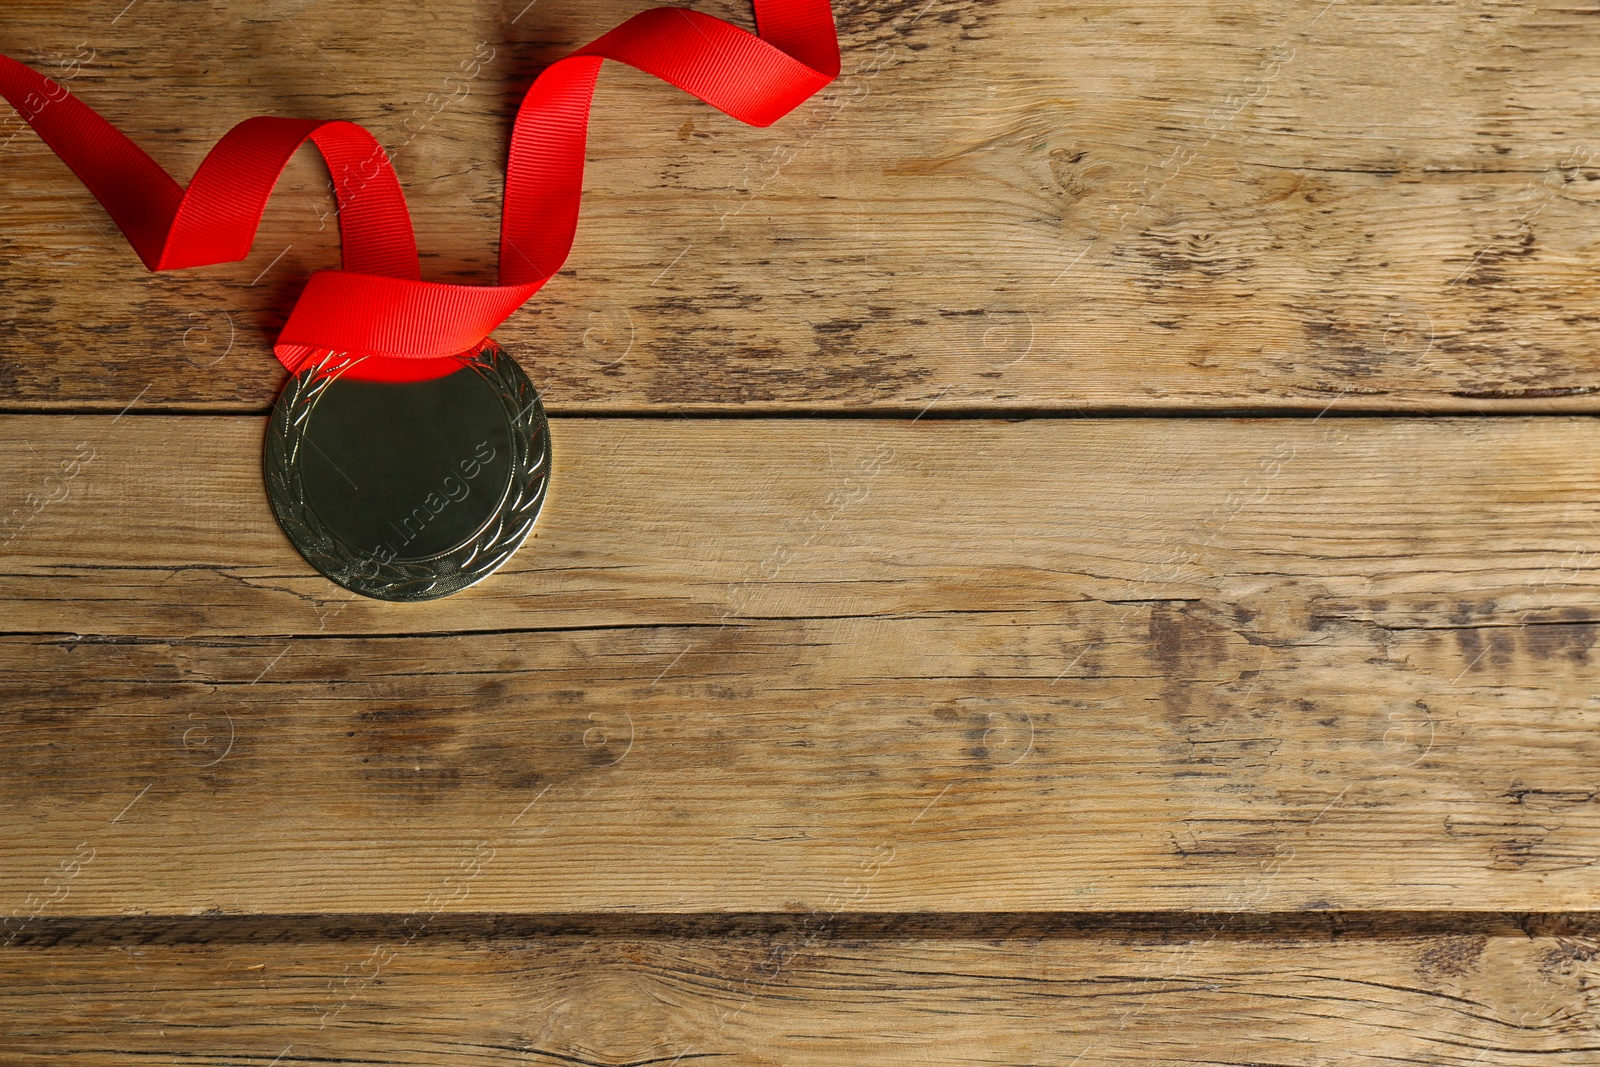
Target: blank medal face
(421, 468)
(408, 490)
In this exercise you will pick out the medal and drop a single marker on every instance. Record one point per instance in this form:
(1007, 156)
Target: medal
(408, 490)
(408, 455)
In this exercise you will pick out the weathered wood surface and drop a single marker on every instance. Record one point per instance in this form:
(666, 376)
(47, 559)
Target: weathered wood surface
(159, 527)
(814, 992)
(810, 741)
(1106, 664)
(1020, 204)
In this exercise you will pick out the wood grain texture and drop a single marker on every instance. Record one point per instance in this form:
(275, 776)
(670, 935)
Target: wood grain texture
(808, 994)
(815, 740)
(159, 527)
(1044, 665)
(1243, 204)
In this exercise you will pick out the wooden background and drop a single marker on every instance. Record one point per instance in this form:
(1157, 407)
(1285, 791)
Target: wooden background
(1076, 547)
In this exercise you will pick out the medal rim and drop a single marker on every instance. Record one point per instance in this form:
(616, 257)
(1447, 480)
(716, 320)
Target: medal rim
(422, 578)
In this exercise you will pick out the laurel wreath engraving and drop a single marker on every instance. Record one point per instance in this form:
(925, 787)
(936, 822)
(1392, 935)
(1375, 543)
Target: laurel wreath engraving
(438, 575)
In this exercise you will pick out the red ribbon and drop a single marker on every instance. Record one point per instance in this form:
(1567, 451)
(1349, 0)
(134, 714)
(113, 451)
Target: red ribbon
(378, 305)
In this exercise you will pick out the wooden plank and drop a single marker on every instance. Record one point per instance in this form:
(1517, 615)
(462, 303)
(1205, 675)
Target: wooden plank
(809, 994)
(159, 526)
(1047, 665)
(783, 767)
(1021, 204)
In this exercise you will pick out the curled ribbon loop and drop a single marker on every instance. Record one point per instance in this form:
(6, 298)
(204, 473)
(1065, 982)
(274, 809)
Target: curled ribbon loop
(377, 305)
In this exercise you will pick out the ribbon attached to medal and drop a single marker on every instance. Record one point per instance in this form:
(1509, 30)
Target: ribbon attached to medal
(408, 455)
